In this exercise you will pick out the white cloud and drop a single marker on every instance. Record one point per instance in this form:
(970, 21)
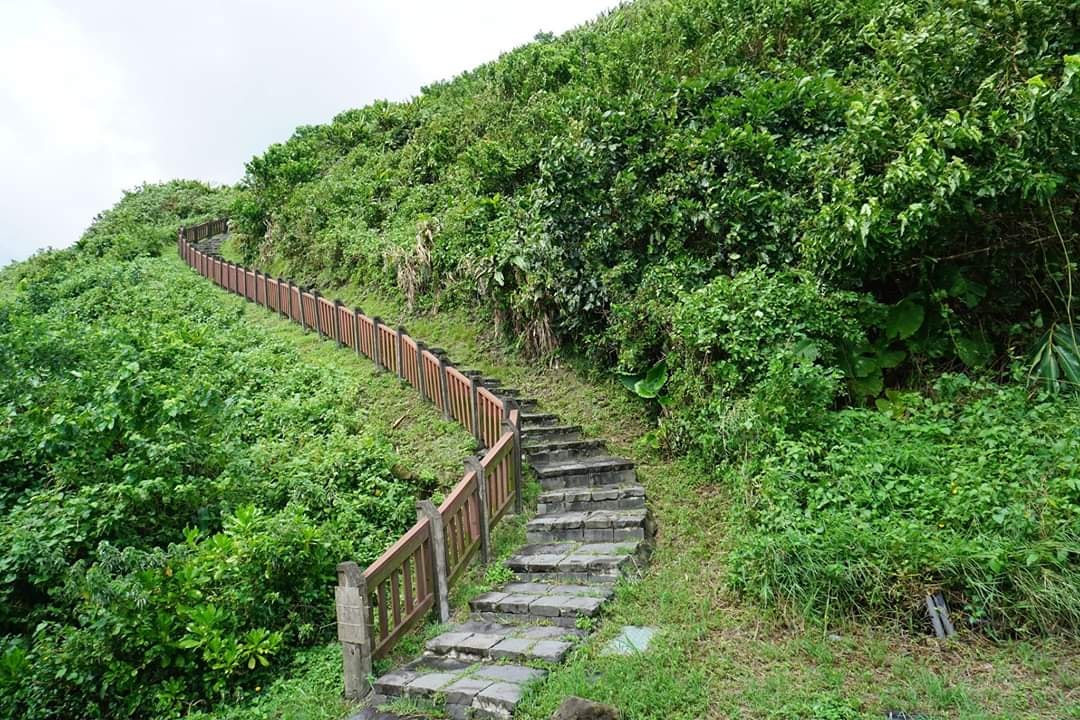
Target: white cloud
(96, 97)
(69, 130)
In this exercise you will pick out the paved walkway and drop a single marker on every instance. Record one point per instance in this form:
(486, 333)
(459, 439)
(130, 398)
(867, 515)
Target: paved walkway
(592, 527)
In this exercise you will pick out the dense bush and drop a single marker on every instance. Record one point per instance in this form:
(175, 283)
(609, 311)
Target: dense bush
(974, 490)
(176, 486)
(796, 207)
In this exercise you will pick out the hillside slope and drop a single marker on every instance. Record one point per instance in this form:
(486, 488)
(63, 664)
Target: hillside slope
(179, 480)
(838, 234)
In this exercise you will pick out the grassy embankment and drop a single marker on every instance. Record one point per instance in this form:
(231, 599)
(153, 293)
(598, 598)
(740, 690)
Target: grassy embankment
(721, 656)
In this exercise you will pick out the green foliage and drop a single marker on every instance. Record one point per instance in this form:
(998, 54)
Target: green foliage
(580, 183)
(176, 484)
(1056, 363)
(649, 385)
(972, 490)
(793, 207)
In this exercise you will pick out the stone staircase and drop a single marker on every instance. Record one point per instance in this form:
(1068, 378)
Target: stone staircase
(212, 245)
(592, 527)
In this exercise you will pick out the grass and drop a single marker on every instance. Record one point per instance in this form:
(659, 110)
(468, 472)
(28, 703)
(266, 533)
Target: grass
(719, 655)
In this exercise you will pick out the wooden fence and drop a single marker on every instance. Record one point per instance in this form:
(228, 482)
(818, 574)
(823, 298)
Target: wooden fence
(379, 605)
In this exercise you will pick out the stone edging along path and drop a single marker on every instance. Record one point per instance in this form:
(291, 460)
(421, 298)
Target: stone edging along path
(592, 527)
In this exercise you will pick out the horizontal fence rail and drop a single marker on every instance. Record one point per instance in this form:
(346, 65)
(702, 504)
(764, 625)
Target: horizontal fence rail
(376, 607)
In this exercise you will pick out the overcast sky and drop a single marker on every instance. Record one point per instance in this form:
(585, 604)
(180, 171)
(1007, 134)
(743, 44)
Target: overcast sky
(98, 96)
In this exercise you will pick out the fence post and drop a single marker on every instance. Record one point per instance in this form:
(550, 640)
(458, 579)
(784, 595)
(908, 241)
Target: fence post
(376, 350)
(439, 568)
(354, 631)
(421, 380)
(356, 313)
(290, 289)
(266, 290)
(473, 464)
(400, 347)
(508, 426)
(474, 400)
(337, 322)
(444, 391)
(303, 320)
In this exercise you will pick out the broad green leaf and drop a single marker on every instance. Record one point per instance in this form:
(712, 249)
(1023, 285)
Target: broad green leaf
(975, 352)
(1056, 361)
(904, 319)
(889, 359)
(865, 387)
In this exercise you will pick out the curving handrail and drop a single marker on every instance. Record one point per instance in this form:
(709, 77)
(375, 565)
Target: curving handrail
(378, 606)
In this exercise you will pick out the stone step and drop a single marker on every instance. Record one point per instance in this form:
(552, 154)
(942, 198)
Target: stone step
(591, 526)
(556, 603)
(479, 640)
(586, 472)
(530, 420)
(604, 497)
(460, 689)
(553, 433)
(544, 452)
(566, 562)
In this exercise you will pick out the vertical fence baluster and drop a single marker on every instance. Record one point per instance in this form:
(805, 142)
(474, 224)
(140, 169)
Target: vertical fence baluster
(440, 585)
(354, 629)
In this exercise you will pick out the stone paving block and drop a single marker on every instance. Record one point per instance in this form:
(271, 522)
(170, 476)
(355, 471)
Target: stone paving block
(479, 642)
(393, 684)
(526, 588)
(553, 632)
(499, 698)
(446, 641)
(552, 651)
(517, 603)
(488, 600)
(512, 648)
(464, 690)
(429, 684)
(598, 535)
(517, 674)
(583, 605)
(630, 640)
(550, 605)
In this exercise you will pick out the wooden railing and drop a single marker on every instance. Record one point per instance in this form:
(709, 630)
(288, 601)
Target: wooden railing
(379, 605)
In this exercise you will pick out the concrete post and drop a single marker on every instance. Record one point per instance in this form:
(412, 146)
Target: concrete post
(318, 320)
(337, 322)
(354, 630)
(400, 348)
(515, 465)
(472, 464)
(474, 401)
(356, 328)
(422, 381)
(439, 568)
(375, 323)
(290, 300)
(444, 391)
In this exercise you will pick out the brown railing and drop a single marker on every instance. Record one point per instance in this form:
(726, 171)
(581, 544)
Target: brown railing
(376, 607)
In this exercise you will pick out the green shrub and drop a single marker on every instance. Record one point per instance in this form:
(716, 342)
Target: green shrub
(176, 484)
(796, 207)
(972, 491)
